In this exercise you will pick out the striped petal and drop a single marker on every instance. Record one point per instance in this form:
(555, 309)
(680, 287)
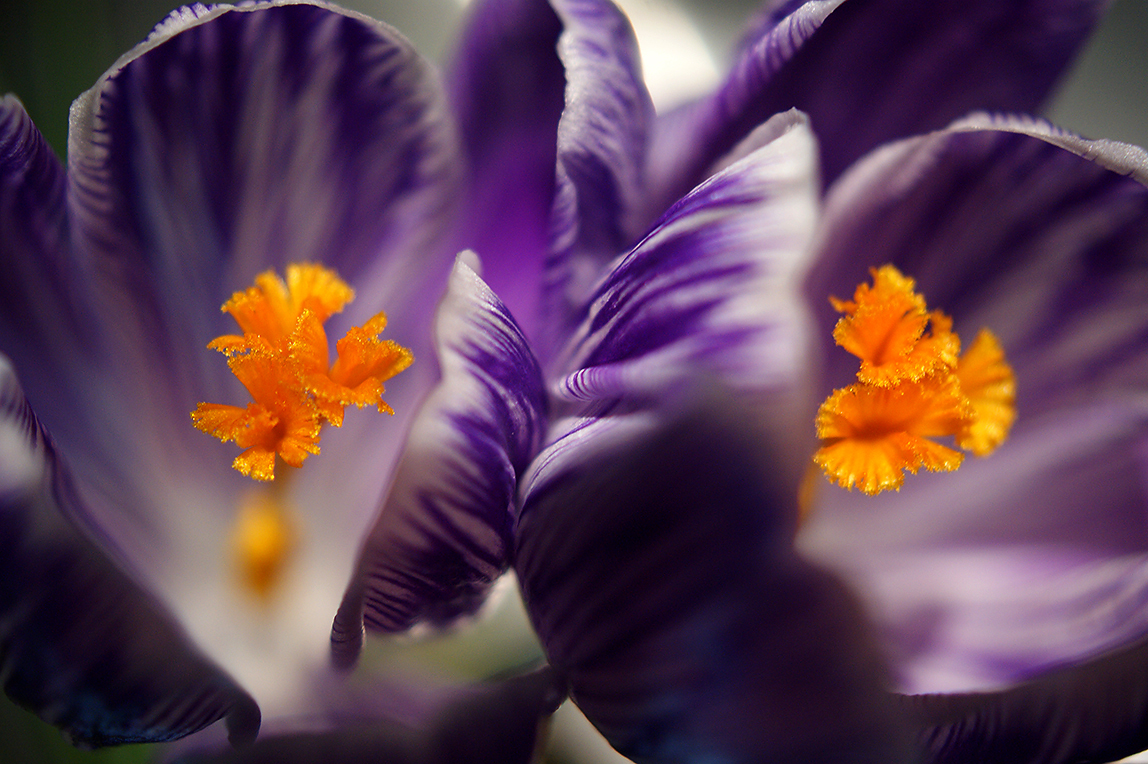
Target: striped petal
(602, 145)
(443, 536)
(46, 317)
(507, 87)
(239, 139)
(711, 291)
(81, 644)
(660, 577)
(869, 71)
(1043, 237)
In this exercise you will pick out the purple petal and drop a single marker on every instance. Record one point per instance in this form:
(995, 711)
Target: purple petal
(875, 70)
(507, 91)
(1025, 560)
(661, 580)
(443, 536)
(240, 139)
(46, 318)
(1092, 712)
(82, 645)
(602, 144)
(499, 723)
(710, 291)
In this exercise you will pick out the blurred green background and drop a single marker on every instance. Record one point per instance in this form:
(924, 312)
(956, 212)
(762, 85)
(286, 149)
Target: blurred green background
(52, 50)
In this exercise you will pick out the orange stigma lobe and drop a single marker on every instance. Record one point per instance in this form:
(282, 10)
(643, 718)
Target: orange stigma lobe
(913, 386)
(282, 358)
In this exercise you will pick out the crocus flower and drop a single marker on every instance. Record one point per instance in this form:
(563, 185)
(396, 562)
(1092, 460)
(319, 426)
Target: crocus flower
(658, 560)
(299, 166)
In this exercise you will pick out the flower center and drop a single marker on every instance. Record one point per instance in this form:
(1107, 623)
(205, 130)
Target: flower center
(282, 358)
(913, 386)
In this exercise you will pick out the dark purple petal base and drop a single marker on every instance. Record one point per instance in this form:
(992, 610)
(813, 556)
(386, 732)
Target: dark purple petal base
(663, 584)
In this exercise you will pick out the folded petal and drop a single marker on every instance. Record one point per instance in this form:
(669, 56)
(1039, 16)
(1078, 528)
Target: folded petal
(46, 318)
(500, 723)
(83, 646)
(443, 536)
(238, 139)
(1091, 712)
(662, 583)
(869, 71)
(710, 291)
(507, 87)
(602, 146)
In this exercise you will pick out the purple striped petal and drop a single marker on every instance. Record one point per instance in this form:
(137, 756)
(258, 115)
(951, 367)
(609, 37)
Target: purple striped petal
(661, 580)
(41, 313)
(602, 145)
(46, 317)
(81, 645)
(710, 291)
(1042, 237)
(874, 70)
(240, 139)
(443, 536)
(500, 723)
(507, 88)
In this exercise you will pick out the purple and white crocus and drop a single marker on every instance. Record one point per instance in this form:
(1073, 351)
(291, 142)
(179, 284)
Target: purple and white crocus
(642, 477)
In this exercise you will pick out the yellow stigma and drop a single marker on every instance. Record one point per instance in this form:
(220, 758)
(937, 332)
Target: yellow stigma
(262, 541)
(913, 386)
(283, 359)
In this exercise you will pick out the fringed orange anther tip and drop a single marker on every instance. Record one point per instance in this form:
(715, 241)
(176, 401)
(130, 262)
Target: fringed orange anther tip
(842, 306)
(257, 463)
(866, 466)
(889, 278)
(376, 324)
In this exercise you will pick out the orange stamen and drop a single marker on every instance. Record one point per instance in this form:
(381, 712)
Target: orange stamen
(282, 360)
(913, 386)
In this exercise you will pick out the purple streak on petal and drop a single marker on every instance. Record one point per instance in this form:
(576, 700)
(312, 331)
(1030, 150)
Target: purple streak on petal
(602, 145)
(661, 580)
(41, 313)
(443, 536)
(710, 290)
(876, 70)
(82, 645)
(499, 723)
(507, 88)
(688, 141)
(243, 140)
(1089, 713)
(1006, 229)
